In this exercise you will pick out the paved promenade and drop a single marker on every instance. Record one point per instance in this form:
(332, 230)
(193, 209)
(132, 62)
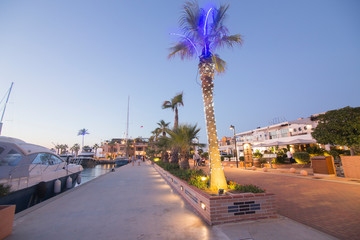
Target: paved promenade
(134, 202)
(329, 205)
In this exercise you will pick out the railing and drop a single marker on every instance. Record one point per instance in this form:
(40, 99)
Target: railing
(30, 168)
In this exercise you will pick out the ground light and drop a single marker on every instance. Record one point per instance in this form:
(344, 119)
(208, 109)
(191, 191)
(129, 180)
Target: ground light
(203, 206)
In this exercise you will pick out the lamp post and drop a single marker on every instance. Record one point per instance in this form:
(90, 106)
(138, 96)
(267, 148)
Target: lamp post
(233, 128)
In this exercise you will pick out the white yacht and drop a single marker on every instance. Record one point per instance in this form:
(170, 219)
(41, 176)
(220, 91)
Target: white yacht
(33, 172)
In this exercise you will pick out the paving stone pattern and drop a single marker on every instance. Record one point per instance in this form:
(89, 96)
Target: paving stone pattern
(330, 207)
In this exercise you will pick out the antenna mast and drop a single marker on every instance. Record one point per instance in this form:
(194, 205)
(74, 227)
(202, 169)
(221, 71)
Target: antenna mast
(7, 99)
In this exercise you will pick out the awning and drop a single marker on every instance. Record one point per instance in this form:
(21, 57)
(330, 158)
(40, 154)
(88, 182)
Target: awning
(300, 139)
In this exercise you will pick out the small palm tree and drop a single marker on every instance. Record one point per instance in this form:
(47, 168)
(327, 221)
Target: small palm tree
(75, 148)
(83, 132)
(163, 126)
(58, 147)
(63, 148)
(174, 103)
(95, 147)
(182, 138)
(203, 30)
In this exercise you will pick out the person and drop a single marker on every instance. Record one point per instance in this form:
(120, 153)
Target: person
(289, 156)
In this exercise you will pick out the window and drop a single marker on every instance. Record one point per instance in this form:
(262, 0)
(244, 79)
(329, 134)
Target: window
(139, 149)
(46, 159)
(11, 159)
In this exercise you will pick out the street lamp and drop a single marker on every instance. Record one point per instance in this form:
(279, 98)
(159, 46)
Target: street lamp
(233, 128)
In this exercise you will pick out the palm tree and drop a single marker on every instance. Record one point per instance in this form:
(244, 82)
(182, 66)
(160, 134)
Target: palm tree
(163, 126)
(58, 147)
(204, 30)
(75, 148)
(95, 147)
(63, 148)
(162, 146)
(83, 132)
(174, 103)
(182, 138)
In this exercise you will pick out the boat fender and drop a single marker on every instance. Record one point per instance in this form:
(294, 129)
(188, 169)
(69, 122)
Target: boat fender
(78, 179)
(41, 189)
(57, 186)
(69, 182)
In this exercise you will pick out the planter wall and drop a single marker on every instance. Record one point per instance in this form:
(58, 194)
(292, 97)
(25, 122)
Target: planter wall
(267, 165)
(225, 208)
(7, 213)
(351, 166)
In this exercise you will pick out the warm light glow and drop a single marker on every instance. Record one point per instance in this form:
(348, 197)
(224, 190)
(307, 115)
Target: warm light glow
(203, 178)
(203, 206)
(156, 159)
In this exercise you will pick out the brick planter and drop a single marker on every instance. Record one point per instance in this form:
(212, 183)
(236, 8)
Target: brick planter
(351, 166)
(225, 208)
(7, 213)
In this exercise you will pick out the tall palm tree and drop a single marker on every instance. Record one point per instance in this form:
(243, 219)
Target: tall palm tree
(203, 29)
(174, 103)
(83, 132)
(182, 138)
(75, 148)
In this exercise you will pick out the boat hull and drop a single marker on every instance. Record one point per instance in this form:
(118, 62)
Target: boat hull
(30, 196)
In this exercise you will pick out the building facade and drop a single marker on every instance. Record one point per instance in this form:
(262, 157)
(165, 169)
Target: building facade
(120, 147)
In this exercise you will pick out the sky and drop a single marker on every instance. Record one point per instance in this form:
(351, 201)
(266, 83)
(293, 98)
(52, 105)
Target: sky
(75, 63)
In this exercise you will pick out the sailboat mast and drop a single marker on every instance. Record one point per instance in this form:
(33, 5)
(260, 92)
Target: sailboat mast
(7, 99)
(127, 128)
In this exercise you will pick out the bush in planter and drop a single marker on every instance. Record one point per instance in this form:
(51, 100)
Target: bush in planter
(244, 188)
(302, 157)
(4, 190)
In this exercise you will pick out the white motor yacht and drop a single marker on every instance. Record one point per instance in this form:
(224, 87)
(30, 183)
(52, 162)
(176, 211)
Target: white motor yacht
(33, 172)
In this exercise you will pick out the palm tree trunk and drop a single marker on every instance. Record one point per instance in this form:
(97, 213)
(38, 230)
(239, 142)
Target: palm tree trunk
(217, 176)
(176, 122)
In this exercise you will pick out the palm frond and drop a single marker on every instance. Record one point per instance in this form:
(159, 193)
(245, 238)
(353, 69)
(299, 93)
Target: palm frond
(178, 100)
(189, 19)
(167, 104)
(219, 16)
(182, 48)
(219, 63)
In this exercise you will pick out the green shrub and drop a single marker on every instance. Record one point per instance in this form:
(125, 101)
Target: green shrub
(257, 154)
(302, 157)
(4, 190)
(193, 177)
(315, 151)
(244, 188)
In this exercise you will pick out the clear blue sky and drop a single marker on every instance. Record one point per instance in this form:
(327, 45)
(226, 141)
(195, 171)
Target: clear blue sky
(74, 63)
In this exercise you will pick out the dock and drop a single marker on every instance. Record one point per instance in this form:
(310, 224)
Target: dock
(134, 202)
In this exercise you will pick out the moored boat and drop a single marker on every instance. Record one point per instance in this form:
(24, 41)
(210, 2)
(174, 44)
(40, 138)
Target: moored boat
(33, 173)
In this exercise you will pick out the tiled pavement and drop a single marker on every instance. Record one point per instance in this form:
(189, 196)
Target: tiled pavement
(329, 206)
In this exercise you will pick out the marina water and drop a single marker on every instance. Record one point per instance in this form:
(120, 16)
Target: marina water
(90, 173)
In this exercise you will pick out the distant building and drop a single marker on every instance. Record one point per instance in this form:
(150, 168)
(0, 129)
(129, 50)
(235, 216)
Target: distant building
(295, 133)
(119, 147)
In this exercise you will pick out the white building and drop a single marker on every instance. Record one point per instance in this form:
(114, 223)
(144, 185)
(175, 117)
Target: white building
(297, 132)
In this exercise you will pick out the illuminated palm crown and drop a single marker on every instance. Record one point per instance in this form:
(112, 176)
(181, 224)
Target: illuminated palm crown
(203, 29)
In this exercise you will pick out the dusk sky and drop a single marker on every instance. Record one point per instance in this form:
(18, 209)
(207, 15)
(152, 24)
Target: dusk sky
(74, 64)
